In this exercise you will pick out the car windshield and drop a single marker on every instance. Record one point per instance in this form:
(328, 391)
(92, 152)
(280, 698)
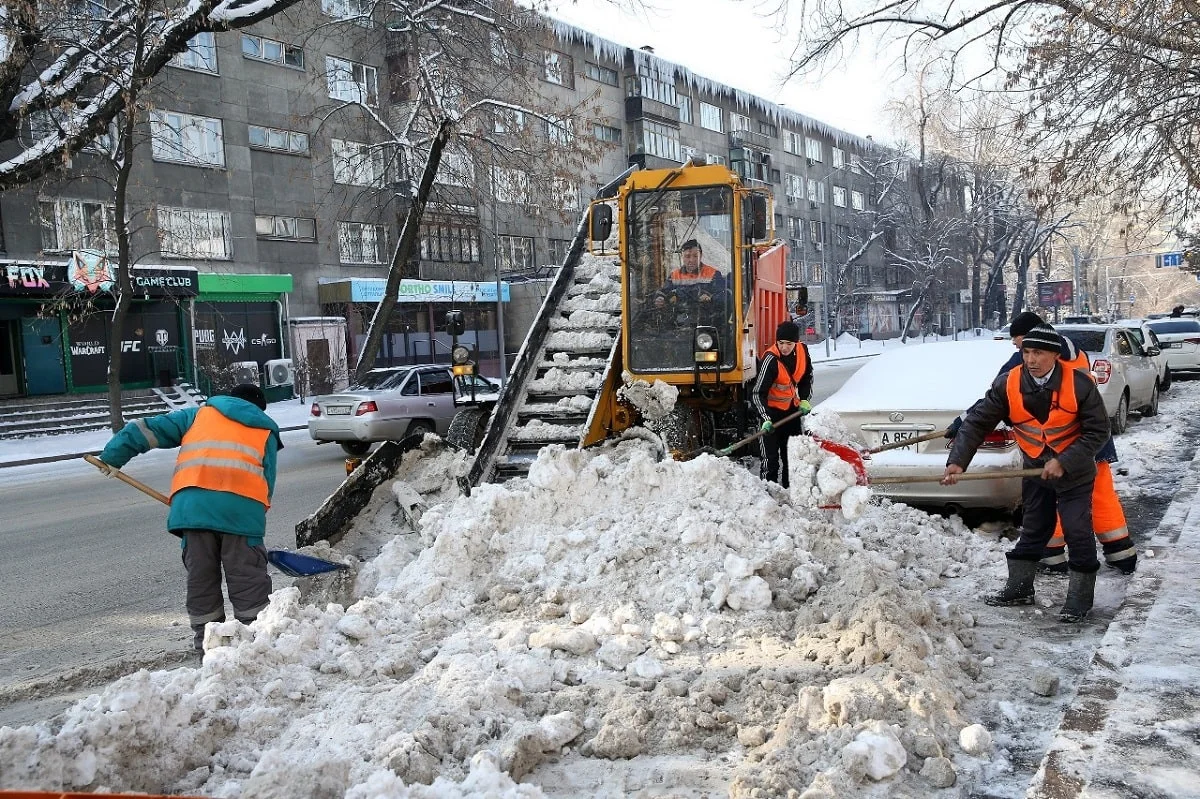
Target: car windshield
(380, 379)
(1086, 340)
(1174, 326)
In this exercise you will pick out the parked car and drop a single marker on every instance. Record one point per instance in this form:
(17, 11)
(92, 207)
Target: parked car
(1091, 319)
(1003, 334)
(910, 391)
(391, 404)
(1145, 335)
(1180, 342)
(1127, 376)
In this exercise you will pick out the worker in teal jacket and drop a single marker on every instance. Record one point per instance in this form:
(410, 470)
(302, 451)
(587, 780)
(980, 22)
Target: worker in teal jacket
(220, 492)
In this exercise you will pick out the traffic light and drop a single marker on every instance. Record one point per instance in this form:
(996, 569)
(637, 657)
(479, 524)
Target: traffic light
(456, 324)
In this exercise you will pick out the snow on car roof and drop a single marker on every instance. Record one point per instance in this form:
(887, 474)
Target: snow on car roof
(946, 375)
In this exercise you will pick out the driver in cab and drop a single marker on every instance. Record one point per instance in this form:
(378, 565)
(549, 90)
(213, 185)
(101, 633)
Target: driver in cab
(694, 279)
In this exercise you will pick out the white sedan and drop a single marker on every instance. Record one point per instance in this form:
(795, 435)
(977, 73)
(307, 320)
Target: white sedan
(918, 389)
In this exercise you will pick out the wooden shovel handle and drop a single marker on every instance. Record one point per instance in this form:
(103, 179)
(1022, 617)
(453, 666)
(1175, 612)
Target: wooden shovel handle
(931, 478)
(907, 442)
(124, 478)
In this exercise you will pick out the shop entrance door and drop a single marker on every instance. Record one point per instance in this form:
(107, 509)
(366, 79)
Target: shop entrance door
(9, 384)
(41, 344)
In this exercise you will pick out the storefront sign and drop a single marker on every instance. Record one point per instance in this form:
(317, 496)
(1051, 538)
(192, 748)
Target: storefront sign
(87, 277)
(459, 291)
(149, 346)
(229, 332)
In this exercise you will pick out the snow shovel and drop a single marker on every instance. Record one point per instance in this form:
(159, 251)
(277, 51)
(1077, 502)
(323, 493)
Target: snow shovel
(932, 478)
(292, 564)
(737, 444)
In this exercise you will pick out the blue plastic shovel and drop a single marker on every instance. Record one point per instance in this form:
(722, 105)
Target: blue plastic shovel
(293, 564)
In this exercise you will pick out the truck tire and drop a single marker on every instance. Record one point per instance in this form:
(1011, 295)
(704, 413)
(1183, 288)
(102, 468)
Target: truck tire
(467, 428)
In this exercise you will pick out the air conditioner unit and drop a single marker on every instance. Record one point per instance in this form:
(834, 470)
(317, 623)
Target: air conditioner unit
(809, 160)
(245, 372)
(280, 372)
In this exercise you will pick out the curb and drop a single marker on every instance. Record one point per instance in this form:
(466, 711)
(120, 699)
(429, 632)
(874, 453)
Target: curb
(1085, 753)
(66, 456)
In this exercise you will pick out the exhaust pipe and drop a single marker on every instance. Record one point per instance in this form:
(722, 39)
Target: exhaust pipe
(954, 509)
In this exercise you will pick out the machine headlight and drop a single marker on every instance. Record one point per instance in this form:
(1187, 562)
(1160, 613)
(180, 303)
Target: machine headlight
(705, 340)
(460, 354)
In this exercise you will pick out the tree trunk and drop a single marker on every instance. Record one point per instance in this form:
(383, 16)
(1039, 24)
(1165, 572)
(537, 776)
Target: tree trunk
(404, 248)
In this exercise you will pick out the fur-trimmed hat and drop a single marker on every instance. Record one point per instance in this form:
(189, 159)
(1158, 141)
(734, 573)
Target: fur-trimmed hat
(787, 331)
(1042, 337)
(1024, 322)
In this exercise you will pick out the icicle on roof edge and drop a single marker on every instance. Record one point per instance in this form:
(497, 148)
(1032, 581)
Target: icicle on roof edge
(785, 117)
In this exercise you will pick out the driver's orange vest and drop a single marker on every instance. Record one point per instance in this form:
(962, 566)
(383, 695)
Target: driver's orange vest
(782, 393)
(705, 275)
(1061, 427)
(220, 454)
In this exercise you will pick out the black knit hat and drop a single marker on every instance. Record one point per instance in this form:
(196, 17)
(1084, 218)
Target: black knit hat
(1042, 337)
(1024, 322)
(787, 331)
(250, 393)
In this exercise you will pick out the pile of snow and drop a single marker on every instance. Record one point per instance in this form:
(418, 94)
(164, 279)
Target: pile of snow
(613, 623)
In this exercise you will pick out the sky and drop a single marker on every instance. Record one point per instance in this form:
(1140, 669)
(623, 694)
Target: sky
(741, 46)
(621, 624)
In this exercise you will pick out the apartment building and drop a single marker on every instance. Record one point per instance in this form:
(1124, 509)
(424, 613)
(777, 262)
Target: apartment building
(263, 182)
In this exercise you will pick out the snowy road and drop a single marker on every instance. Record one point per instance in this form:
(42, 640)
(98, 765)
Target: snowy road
(92, 586)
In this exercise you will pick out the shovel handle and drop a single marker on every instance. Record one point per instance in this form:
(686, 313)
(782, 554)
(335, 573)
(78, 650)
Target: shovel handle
(907, 442)
(124, 478)
(930, 478)
(756, 436)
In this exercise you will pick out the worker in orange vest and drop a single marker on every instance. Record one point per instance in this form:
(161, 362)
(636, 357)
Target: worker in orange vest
(783, 386)
(220, 492)
(1060, 424)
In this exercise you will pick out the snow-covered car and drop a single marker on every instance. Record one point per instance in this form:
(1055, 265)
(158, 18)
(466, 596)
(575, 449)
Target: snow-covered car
(403, 401)
(1126, 374)
(910, 391)
(1145, 335)
(1180, 342)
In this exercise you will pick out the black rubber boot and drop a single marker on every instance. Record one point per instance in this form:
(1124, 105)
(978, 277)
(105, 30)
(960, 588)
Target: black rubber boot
(1019, 588)
(1080, 592)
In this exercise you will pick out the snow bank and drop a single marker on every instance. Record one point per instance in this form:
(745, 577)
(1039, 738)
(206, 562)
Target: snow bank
(613, 623)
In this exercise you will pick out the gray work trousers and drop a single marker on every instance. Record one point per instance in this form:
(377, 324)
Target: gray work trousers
(205, 555)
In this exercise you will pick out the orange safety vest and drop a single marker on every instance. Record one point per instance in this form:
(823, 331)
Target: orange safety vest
(1061, 427)
(782, 394)
(220, 454)
(706, 275)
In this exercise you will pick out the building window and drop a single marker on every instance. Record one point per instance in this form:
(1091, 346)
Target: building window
(793, 187)
(862, 275)
(685, 109)
(356, 163)
(285, 228)
(285, 141)
(855, 165)
(812, 190)
(661, 140)
(839, 158)
(768, 128)
(560, 131)
(564, 194)
(194, 233)
(510, 185)
(450, 238)
(44, 124)
(603, 74)
(841, 235)
(77, 225)
(360, 243)
(264, 49)
(606, 132)
(791, 142)
(812, 149)
(856, 201)
(738, 122)
(357, 10)
(456, 169)
(508, 120)
(558, 249)
(711, 159)
(654, 82)
(514, 253)
(186, 139)
(201, 54)
(816, 231)
(560, 69)
(796, 227)
(839, 196)
(710, 117)
(351, 82)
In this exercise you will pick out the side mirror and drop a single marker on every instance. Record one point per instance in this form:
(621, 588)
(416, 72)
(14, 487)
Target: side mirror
(600, 221)
(758, 217)
(1153, 352)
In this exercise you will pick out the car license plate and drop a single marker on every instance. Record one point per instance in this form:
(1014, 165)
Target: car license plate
(1172, 345)
(337, 410)
(893, 436)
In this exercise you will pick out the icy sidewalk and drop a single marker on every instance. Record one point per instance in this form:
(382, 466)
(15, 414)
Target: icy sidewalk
(1134, 726)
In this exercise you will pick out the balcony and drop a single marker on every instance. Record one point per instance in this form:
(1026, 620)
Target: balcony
(639, 107)
(749, 138)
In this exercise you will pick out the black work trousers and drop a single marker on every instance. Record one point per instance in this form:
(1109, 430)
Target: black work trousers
(1073, 506)
(773, 449)
(205, 555)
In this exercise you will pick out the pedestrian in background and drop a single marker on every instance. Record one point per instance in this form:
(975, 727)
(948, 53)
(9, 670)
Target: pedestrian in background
(220, 492)
(784, 385)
